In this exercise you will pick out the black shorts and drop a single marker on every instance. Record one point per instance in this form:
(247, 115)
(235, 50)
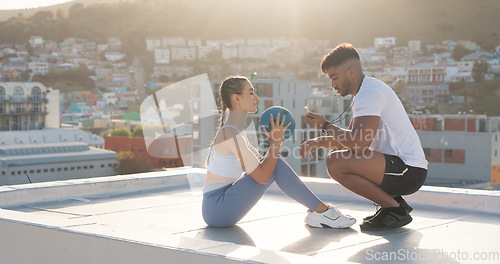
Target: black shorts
(401, 179)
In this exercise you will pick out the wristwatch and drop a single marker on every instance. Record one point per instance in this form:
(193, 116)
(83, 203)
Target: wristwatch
(325, 125)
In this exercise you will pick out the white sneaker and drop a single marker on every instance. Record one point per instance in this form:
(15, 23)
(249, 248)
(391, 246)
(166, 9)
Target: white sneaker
(332, 217)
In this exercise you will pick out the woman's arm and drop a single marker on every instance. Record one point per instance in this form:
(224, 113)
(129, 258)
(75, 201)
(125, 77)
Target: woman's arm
(260, 171)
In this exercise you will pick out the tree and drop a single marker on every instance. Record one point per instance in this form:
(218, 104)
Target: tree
(60, 14)
(137, 132)
(399, 85)
(25, 75)
(117, 132)
(129, 164)
(479, 69)
(458, 52)
(42, 17)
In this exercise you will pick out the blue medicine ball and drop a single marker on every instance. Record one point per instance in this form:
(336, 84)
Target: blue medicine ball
(265, 120)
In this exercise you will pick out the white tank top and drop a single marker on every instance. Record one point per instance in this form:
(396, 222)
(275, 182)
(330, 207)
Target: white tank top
(223, 165)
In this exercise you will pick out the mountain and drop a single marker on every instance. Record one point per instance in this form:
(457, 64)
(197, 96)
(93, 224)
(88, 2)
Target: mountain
(356, 21)
(6, 14)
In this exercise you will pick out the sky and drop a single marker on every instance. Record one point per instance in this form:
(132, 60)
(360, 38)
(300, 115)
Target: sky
(22, 4)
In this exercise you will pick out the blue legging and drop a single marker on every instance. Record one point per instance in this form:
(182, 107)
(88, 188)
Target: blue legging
(227, 205)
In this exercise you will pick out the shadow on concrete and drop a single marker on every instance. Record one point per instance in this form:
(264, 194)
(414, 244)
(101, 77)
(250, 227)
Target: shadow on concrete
(402, 246)
(318, 239)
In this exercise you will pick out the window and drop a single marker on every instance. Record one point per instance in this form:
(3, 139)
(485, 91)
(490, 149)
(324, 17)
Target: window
(59, 169)
(65, 168)
(3, 172)
(32, 171)
(36, 94)
(45, 170)
(79, 167)
(38, 171)
(91, 166)
(18, 94)
(448, 153)
(102, 165)
(85, 167)
(2, 94)
(52, 170)
(72, 168)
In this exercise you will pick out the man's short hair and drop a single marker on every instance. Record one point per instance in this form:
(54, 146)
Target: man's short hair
(339, 55)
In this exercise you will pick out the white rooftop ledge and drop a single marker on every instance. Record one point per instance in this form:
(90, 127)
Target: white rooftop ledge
(156, 218)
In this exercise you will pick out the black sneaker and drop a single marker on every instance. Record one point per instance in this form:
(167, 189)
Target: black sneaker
(398, 199)
(402, 202)
(376, 212)
(387, 218)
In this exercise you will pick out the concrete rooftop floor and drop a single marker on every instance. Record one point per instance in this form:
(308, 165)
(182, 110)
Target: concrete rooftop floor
(274, 230)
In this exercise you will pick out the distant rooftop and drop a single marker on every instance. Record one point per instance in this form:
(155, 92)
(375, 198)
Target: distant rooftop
(42, 136)
(156, 218)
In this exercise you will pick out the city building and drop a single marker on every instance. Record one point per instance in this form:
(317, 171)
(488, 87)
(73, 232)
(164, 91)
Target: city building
(162, 56)
(323, 100)
(415, 45)
(36, 41)
(285, 91)
(53, 154)
(423, 96)
(39, 67)
(25, 106)
(49, 136)
(183, 53)
(461, 149)
(384, 42)
(27, 163)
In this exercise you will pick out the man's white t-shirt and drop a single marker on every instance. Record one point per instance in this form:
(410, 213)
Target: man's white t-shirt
(395, 135)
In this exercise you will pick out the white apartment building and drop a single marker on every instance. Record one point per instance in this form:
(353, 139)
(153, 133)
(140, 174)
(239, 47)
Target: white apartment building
(203, 52)
(396, 72)
(229, 52)
(36, 41)
(285, 91)
(39, 67)
(195, 42)
(384, 42)
(26, 106)
(173, 42)
(109, 98)
(153, 43)
(415, 45)
(162, 56)
(214, 43)
(252, 52)
(114, 56)
(183, 53)
(173, 70)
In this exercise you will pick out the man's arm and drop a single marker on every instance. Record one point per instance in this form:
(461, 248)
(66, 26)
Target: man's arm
(360, 135)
